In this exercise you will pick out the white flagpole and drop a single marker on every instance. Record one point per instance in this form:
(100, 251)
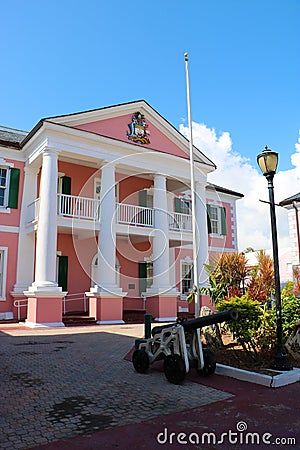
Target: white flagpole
(194, 223)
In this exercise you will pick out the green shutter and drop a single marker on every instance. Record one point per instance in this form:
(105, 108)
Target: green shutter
(178, 205)
(14, 188)
(223, 221)
(142, 276)
(66, 186)
(63, 272)
(143, 198)
(208, 219)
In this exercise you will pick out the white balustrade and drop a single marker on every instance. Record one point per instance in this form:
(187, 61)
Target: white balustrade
(33, 211)
(180, 222)
(78, 207)
(89, 209)
(134, 215)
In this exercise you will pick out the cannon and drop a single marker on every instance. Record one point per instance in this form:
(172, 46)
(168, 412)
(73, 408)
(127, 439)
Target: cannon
(179, 345)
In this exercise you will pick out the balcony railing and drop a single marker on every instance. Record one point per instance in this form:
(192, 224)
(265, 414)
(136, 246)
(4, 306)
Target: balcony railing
(180, 222)
(78, 207)
(134, 215)
(89, 209)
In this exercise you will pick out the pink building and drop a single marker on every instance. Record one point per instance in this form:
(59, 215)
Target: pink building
(95, 214)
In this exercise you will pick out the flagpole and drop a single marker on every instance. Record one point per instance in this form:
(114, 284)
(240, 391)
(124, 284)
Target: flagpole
(194, 223)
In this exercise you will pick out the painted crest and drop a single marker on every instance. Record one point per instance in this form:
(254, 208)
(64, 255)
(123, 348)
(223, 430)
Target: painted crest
(138, 129)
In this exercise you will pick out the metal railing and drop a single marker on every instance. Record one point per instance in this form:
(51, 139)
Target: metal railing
(134, 215)
(75, 297)
(180, 222)
(21, 303)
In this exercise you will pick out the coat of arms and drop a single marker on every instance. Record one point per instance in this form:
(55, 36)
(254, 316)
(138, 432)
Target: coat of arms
(138, 129)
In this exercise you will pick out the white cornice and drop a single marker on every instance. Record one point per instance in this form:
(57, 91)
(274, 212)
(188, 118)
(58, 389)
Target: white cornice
(93, 148)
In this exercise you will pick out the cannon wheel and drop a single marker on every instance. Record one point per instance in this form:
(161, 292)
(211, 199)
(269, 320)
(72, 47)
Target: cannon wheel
(209, 363)
(140, 361)
(174, 368)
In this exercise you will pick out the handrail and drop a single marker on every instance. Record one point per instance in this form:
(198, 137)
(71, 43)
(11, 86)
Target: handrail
(74, 297)
(18, 304)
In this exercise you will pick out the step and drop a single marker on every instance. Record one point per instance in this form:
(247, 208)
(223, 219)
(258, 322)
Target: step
(77, 320)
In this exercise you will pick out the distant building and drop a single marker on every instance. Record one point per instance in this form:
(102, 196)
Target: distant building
(292, 204)
(95, 214)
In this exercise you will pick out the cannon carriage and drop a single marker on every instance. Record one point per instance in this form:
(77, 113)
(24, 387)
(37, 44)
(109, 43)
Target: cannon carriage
(179, 345)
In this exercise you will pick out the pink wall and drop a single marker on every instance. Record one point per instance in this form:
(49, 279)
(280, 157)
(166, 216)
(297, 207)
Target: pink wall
(9, 240)
(224, 241)
(129, 188)
(82, 178)
(117, 128)
(129, 255)
(79, 261)
(13, 219)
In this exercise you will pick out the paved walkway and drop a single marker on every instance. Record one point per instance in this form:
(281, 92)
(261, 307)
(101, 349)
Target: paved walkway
(72, 388)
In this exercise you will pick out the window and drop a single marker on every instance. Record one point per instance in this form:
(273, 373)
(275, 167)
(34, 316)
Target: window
(186, 279)
(183, 205)
(3, 186)
(3, 264)
(149, 273)
(216, 220)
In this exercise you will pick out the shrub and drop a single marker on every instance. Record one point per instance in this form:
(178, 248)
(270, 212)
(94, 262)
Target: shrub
(290, 311)
(246, 327)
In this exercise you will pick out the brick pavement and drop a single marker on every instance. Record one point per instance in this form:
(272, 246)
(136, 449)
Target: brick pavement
(61, 383)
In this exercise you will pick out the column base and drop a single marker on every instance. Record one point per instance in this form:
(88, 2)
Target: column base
(44, 310)
(107, 308)
(162, 307)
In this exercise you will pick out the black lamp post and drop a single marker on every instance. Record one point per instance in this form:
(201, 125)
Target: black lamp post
(267, 161)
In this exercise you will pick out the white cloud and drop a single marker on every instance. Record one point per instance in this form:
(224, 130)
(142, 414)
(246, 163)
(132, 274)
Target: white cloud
(235, 172)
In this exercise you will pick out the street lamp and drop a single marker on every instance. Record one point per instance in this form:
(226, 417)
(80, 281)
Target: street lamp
(267, 161)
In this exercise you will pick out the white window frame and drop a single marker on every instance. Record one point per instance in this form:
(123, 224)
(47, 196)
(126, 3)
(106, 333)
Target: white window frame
(217, 221)
(3, 269)
(6, 165)
(186, 261)
(185, 209)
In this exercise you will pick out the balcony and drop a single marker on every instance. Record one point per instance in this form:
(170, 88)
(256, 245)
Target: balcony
(74, 207)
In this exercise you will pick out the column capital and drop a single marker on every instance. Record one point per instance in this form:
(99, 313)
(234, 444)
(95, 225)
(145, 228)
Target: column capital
(51, 151)
(31, 170)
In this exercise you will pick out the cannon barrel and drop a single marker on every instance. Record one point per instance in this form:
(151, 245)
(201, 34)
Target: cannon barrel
(199, 322)
(212, 319)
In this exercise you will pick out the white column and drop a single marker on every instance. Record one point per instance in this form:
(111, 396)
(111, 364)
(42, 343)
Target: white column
(106, 272)
(26, 244)
(45, 266)
(161, 277)
(202, 232)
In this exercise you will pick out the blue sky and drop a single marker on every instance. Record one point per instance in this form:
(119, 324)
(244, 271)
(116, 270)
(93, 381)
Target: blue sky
(64, 56)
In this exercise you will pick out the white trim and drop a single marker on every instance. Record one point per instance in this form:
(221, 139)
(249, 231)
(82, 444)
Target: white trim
(43, 325)
(109, 322)
(4, 209)
(165, 319)
(97, 182)
(11, 153)
(9, 229)
(4, 273)
(186, 260)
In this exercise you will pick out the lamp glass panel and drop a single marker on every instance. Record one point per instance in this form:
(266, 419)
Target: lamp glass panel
(268, 161)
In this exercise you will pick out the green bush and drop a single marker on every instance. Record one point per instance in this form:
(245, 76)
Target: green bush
(290, 311)
(246, 327)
